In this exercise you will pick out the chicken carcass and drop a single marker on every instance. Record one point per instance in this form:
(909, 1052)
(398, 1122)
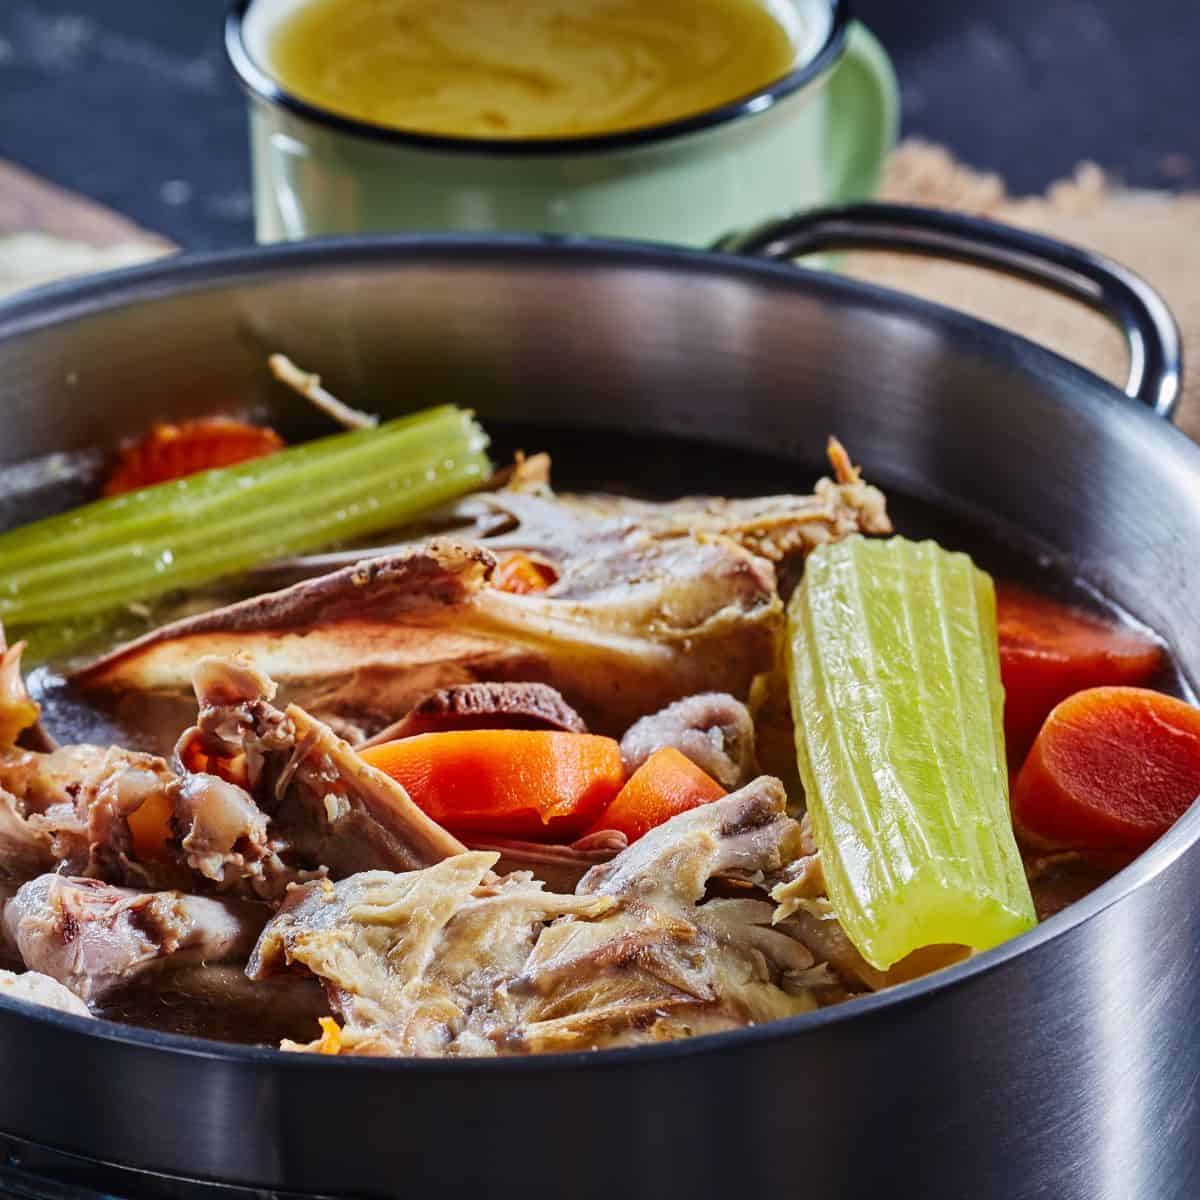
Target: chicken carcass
(68, 807)
(92, 937)
(636, 623)
(412, 961)
(776, 527)
(254, 799)
(520, 511)
(453, 961)
(323, 806)
(649, 603)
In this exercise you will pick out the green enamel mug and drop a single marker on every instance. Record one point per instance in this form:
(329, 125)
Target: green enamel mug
(818, 134)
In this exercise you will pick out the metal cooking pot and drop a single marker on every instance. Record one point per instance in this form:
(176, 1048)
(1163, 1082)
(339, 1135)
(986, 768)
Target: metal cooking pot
(1063, 1064)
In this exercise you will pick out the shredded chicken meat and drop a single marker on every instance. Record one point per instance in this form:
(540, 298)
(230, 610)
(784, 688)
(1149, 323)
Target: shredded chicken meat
(453, 960)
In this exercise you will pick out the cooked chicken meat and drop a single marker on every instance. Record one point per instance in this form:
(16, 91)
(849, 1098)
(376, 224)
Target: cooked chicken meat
(327, 809)
(93, 937)
(559, 867)
(714, 730)
(25, 850)
(668, 963)
(452, 960)
(635, 622)
(775, 527)
(255, 798)
(412, 962)
(519, 511)
(35, 988)
(69, 809)
(67, 806)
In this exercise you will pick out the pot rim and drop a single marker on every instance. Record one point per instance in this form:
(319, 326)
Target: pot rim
(261, 84)
(71, 300)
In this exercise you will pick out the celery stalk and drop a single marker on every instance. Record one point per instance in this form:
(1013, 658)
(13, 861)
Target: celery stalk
(191, 531)
(895, 686)
(121, 519)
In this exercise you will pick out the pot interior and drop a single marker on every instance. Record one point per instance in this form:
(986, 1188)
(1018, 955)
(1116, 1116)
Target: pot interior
(667, 371)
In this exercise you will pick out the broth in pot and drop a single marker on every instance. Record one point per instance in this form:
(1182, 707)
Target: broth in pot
(583, 765)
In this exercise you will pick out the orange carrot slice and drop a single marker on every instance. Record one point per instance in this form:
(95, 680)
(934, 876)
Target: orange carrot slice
(150, 827)
(1112, 769)
(666, 784)
(520, 574)
(174, 451)
(1050, 650)
(536, 784)
(330, 1041)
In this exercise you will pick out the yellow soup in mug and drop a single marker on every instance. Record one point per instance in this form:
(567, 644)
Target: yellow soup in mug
(528, 68)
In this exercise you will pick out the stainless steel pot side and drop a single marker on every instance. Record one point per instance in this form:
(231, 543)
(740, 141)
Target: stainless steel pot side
(1064, 1064)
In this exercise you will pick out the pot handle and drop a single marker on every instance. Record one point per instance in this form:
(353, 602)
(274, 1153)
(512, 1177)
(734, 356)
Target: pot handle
(1141, 314)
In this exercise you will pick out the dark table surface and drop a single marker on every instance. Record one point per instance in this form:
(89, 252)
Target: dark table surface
(131, 101)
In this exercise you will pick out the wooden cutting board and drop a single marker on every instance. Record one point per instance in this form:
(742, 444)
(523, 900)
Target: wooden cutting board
(29, 204)
(47, 232)
(1153, 233)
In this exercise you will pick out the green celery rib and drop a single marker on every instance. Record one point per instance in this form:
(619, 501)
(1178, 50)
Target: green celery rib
(192, 531)
(120, 520)
(895, 686)
(267, 512)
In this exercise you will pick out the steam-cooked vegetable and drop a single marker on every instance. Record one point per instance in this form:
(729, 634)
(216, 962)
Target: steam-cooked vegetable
(666, 784)
(176, 451)
(1049, 650)
(520, 574)
(150, 826)
(17, 711)
(330, 1041)
(538, 784)
(896, 695)
(180, 534)
(1112, 769)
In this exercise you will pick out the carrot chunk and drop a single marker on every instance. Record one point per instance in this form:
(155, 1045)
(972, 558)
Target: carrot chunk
(1112, 769)
(520, 574)
(1049, 650)
(330, 1041)
(666, 784)
(174, 451)
(150, 827)
(535, 784)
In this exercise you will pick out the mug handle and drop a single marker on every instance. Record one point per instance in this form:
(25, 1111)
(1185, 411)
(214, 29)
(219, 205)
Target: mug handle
(1127, 300)
(863, 116)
